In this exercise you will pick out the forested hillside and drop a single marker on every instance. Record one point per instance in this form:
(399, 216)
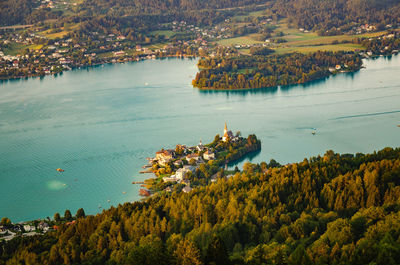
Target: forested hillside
(326, 16)
(335, 209)
(336, 16)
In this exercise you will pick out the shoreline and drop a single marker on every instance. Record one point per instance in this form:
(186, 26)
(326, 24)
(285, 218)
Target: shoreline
(81, 67)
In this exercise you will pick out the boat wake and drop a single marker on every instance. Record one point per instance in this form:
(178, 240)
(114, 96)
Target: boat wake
(366, 115)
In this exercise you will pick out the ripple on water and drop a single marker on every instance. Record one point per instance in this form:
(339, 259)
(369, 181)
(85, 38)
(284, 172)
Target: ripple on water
(55, 185)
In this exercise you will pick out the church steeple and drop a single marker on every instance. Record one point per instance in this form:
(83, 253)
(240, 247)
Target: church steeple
(225, 129)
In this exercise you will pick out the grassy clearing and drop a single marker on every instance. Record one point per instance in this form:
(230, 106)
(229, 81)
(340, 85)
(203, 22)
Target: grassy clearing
(245, 70)
(329, 47)
(14, 49)
(61, 34)
(243, 40)
(35, 46)
(167, 33)
(298, 41)
(240, 18)
(297, 38)
(156, 46)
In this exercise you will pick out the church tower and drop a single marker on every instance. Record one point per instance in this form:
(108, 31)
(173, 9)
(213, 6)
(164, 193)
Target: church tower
(225, 129)
(227, 134)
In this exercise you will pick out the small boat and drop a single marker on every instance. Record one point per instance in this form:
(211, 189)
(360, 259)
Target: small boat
(398, 125)
(124, 192)
(313, 133)
(146, 84)
(60, 170)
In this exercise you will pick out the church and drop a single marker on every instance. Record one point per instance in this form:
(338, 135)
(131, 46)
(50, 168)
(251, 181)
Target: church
(227, 134)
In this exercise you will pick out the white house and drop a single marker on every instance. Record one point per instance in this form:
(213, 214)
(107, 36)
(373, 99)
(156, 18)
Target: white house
(209, 155)
(181, 173)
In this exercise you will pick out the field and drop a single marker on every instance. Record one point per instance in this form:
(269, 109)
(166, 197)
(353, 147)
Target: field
(19, 48)
(308, 49)
(64, 31)
(243, 40)
(167, 33)
(298, 41)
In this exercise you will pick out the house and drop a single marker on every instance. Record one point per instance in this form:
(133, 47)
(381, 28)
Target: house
(191, 168)
(214, 177)
(181, 173)
(29, 228)
(338, 67)
(163, 157)
(121, 37)
(196, 157)
(187, 189)
(209, 155)
(178, 163)
(170, 178)
(119, 53)
(43, 226)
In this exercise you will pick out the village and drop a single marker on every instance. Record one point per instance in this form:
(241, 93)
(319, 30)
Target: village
(9, 231)
(185, 167)
(38, 51)
(47, 49)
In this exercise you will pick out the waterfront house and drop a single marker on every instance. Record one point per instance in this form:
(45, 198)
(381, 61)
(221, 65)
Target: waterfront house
(29, 228)
(163, 157)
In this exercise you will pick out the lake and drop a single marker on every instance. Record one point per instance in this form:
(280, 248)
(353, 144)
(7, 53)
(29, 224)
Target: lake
(100, 124)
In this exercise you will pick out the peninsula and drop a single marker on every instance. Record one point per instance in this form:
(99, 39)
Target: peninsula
(185, 167)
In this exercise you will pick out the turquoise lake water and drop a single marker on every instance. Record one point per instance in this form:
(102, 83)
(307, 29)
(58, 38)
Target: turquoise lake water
(100, 125)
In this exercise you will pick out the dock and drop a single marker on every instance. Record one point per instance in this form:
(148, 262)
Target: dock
(137, 182)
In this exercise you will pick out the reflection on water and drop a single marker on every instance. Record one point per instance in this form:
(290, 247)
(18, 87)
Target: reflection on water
(249, 157)
(240, 92)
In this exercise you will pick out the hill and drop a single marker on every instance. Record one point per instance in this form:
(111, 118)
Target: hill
(334, 209)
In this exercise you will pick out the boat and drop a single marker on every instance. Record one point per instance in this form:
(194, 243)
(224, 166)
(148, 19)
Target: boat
(398, 125)
(60, 170)
(124, 192)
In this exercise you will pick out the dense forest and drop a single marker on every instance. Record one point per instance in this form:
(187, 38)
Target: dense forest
(328, 17)
(334, 209)
(267, 71)
(332, 17)
(23, 12)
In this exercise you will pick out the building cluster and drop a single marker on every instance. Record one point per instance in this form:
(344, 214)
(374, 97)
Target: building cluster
(216, 32)
(42, 56)
(23, 229)
(185, 160)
